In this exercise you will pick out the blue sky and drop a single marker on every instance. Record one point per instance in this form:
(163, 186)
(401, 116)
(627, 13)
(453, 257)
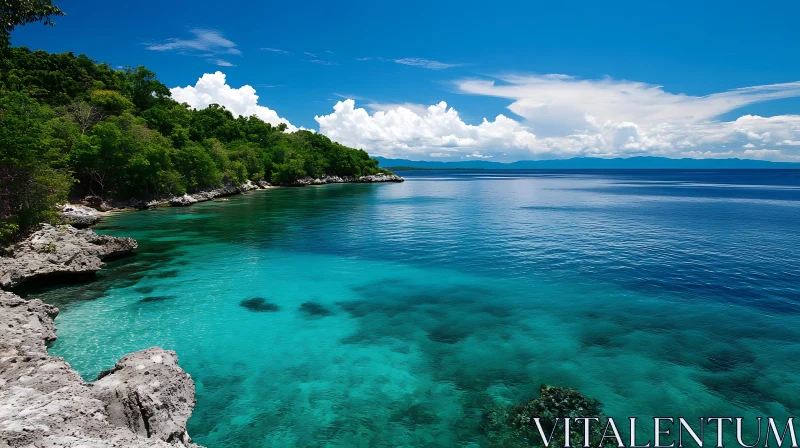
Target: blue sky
(423, 53)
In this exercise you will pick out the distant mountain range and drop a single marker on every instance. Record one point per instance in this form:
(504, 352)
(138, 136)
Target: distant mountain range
(594, 163)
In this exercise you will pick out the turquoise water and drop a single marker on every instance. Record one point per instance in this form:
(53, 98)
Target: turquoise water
(396, 314)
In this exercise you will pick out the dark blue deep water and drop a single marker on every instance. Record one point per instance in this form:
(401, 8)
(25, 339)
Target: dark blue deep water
(396, 314)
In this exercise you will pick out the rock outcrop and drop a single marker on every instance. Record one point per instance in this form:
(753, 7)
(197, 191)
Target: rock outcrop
(60, 251)
(80, 216)
(306, 181)
(178, 201)
(144, 401)
(148, 393)
(174, 201)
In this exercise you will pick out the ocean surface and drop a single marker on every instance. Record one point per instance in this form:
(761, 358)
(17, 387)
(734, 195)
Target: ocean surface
(395, 315)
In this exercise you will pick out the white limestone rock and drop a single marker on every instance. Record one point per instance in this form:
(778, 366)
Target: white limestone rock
(80, 216)
(60, 251)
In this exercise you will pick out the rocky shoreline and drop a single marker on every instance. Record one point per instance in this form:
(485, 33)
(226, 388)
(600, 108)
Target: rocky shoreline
(143, 401)
(94, 202)
(306, 181)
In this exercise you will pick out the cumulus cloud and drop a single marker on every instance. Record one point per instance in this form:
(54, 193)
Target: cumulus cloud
(426, 63)
(403, 132)
(562, 116)
(243, 101)
(419, 109)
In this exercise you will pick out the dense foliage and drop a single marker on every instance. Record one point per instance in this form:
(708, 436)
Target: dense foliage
(69, 125)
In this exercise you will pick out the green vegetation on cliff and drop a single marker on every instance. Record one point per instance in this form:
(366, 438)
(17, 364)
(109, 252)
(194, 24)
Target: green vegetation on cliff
(71, 126)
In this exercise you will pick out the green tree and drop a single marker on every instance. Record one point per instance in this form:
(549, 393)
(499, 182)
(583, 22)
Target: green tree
(250, 155)
(110, 102)
(30, 187)
(197, 167)
(15, 13)
(143, 88)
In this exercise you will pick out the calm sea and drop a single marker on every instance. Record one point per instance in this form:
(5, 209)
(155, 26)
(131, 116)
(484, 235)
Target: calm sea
(396, 314)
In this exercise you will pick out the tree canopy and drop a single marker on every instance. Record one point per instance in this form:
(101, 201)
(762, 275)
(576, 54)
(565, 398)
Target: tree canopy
(72, 126)
(14, 13)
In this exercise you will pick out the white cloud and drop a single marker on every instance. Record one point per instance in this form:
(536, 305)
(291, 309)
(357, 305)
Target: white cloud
(277, 50)
(477, 155)
(708, 154)
(567, 100)
(222, 63)
(763, 153)
(419, 109)
(213, 89)
(567, 117)
(204, 41)
(403, 132)
(348, 96)
(426, 63)
(410, 131)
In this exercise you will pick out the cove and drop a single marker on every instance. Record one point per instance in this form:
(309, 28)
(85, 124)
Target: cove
(397, 314)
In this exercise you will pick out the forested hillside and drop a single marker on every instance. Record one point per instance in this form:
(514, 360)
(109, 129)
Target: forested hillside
(72, 126)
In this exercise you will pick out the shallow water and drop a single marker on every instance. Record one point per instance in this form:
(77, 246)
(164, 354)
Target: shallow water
(395, 314)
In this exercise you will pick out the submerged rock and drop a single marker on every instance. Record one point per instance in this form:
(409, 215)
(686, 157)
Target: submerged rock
(151, 299)
(314, 309)
(258, 304)
(416, 414)
(448, 334)
(80, 216)
(60, 251)
(514, 426)
(144, 401)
